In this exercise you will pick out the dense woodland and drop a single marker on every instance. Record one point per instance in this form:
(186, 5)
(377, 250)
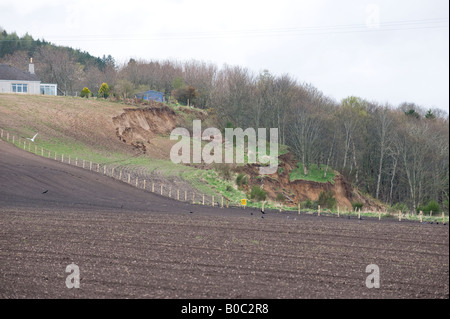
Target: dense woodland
(398, 154)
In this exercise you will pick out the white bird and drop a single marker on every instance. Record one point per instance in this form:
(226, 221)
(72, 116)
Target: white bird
(32, 139)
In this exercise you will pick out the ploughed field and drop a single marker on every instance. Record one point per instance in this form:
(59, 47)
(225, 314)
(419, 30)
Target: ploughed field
(130, 243)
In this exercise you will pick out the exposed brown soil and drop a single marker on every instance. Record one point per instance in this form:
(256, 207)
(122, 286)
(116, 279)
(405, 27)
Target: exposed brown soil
(301, 190)
(129, 243)
(143, 124)
(141, 127)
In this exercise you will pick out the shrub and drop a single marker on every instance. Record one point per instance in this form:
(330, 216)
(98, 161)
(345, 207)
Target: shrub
(357, 206)
(104, 90)
(241, 180)
(398, 207)
(326, 199)
(258, 194)
(432, 206)
(229, 188)
(85, 92)
(309, 204)
(185, 94)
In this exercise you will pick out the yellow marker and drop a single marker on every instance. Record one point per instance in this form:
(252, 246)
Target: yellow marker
(243, 202)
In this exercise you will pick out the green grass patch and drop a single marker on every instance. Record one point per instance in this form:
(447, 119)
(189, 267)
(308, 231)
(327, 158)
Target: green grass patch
(314, 174)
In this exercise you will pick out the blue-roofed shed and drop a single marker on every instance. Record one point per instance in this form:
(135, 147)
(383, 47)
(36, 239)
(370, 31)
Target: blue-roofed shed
(151, 95)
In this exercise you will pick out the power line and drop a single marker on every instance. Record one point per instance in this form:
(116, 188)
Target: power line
(405, 25)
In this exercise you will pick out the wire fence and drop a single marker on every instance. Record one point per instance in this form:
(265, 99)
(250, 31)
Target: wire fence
(142, 180)
(134, 177)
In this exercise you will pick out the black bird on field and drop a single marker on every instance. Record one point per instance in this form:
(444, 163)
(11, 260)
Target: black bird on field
(191, 212)
(45, 192)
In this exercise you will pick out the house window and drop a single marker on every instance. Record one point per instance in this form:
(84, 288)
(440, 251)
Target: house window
(48, 89)
(19, 88)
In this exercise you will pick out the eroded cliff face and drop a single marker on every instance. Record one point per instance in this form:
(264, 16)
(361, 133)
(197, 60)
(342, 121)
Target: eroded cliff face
(141, 127)
(301, 190)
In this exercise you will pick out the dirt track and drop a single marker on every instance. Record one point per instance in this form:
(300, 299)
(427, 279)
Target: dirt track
(129, 243)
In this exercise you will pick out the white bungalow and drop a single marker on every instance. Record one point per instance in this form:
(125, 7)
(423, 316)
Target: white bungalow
(13, 80)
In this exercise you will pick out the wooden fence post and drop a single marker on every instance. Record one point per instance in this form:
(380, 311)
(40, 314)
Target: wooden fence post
(98, 167)
(84, 162)
(42, 151)
(137, 182)
(62, 157)
(104, 169)
(13, 139)
(421, 216)
(299, 208)
(90, 165)
(48, 154)
(170, 191)
(222, 203)
(193, 198)
(338, 211)
(203, 200)
(161, 189)
(145, 182)
(153, 187)
(262, 208)
(359, 213)
(212, 200)
(24, 145)
(129, 178)
(399, 216)
(443, 218)
(185, 196)
(379, 215)
(178, 194)
(318, 210)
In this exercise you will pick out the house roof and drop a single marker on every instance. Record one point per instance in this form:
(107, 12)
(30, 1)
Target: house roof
(11, 73)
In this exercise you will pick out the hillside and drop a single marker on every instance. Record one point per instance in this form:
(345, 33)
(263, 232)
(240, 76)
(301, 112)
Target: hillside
(138, 138)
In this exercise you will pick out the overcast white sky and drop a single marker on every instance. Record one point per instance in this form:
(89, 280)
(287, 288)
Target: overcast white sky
(382, 50)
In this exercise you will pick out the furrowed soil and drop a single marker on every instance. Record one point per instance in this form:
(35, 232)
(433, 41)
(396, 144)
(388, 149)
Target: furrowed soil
(130, 243)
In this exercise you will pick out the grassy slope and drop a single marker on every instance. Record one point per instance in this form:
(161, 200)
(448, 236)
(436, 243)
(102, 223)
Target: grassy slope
(314, 174)
(83, 129)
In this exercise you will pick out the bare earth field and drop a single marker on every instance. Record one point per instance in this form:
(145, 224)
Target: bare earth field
(130, 243)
